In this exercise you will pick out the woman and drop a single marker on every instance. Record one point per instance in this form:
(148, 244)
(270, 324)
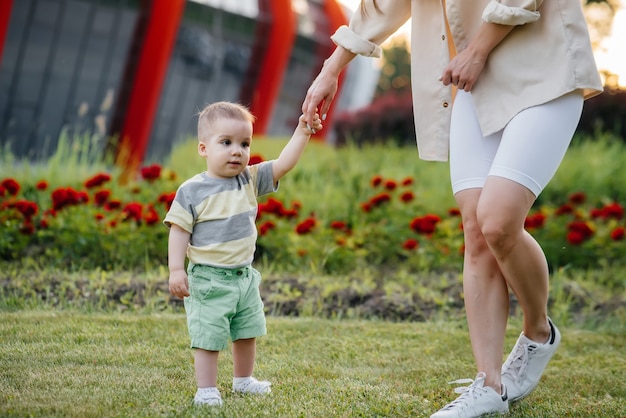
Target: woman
(498, 87)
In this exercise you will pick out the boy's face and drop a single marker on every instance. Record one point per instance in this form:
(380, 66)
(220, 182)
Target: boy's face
(226, 148)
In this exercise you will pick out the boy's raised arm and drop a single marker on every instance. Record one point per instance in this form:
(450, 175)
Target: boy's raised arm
(292, 152)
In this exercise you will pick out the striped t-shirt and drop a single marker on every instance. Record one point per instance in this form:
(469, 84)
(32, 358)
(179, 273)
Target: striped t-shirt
(220, 215)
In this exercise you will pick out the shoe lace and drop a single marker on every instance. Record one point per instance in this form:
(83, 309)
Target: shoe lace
(515, 365)
(467, 393)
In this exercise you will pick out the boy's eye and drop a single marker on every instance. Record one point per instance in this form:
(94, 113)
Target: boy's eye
(245, 144)
(226, 142)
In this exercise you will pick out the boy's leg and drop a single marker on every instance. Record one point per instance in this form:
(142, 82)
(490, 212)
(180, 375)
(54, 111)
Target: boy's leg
(244, 355)
(205, 363)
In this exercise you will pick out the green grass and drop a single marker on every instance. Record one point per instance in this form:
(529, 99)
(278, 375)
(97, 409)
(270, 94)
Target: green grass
(81, 364)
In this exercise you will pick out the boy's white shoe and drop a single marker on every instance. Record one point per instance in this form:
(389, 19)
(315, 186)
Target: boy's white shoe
(475, 400)
(208, 396)
(523, 368)
(251, 385)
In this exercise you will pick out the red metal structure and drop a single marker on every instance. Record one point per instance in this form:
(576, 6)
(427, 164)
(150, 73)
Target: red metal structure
(5, 14)
(281, 36)
(155, 62)
(157, 47)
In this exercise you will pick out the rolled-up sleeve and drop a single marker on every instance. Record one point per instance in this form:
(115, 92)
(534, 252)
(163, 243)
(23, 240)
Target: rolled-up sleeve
(370, 28)
(512, 12)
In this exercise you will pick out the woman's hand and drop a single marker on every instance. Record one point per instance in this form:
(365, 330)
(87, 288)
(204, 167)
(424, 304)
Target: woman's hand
(320, 96)
(463, 70)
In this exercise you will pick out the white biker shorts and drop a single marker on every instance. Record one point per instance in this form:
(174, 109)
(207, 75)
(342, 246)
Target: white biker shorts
(527, 151)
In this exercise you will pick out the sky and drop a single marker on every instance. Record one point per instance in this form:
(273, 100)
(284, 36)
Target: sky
(610, 54)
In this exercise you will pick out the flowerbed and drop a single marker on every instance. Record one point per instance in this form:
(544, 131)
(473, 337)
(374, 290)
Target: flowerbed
(99, 223)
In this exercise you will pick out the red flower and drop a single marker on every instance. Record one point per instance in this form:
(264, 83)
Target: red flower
(406, 197)
(425, 224)
(151, 172)
(577, 198)
(151, 217)
(579, 231)
(11, 186)
(63, 197)
(596, 213)
(536, 220)
(613, 210)
(379, 199)
(255, 159)
(367, 207)
(101, 197)
(564, 209)
(454, 212)
(575, 237)
(390, 185)
(43, 223)
(305, 226)
(338, 225)
(26, 208)
(272, 205)
(617, 234)
(376, 181)
(97, 180)
(99, 216)
(266, 227)
(112, 205)
(41, 185)
(167, 199)
(407, 181)
(410, 244)
(288, 213)
(2, 191)
(133, 211)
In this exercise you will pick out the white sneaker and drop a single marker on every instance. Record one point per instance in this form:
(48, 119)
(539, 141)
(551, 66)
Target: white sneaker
(475, 400)
(523, 368)
(208, 396)
(252, 386)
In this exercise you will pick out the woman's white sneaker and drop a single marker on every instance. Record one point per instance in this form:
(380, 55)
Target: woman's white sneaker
(523, 368)
(475, 400)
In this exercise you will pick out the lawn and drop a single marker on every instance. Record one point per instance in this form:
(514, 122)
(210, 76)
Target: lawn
(360, 251)
(71, 363)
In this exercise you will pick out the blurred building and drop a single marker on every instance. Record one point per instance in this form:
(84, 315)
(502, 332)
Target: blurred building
(141, 70)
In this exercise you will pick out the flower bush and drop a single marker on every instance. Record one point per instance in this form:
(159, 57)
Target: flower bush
(98, 223)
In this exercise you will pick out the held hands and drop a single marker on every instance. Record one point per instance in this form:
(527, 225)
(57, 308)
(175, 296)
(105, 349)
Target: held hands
(178, 283)
(322, 92)
(313, 127)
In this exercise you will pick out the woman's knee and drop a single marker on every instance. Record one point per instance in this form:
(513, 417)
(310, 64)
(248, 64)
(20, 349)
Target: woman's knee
(498, 233)
(475, 244)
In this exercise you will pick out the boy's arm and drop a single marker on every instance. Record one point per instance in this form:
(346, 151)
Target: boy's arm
(290, 155)
(177, 251)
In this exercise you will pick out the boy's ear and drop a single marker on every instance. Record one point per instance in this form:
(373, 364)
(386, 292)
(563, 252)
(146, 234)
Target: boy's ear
(202, 149)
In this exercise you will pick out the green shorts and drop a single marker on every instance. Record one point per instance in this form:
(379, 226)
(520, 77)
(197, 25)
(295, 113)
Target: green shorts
(223, 303)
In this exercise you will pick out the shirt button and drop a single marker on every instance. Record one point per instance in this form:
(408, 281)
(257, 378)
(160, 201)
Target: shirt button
(445, 104)
(443, 37)
(239, 272)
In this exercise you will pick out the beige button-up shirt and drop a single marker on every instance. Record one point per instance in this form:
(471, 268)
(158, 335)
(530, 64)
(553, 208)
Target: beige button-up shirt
(547, 55)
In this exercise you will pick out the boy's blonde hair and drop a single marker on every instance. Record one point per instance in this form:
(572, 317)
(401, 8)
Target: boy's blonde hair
(221, 110)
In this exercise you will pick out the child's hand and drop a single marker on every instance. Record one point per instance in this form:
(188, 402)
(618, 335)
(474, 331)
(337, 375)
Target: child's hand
(314, 128)
(178, 283)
